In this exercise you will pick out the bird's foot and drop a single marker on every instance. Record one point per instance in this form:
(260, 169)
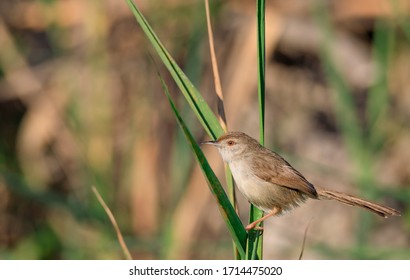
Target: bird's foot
(253, 226)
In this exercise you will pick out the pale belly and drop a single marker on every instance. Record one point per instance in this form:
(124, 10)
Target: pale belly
(262, 194)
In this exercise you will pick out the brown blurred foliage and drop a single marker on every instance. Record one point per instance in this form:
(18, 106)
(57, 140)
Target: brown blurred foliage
(81, 105)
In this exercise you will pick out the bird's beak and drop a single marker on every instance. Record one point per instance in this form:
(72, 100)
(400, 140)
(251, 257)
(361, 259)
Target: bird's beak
(213, 143)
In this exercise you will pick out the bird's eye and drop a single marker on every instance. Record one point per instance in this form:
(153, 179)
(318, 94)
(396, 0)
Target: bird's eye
(231, 143)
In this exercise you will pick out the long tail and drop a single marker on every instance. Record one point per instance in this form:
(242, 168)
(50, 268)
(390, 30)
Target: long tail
(380, 210)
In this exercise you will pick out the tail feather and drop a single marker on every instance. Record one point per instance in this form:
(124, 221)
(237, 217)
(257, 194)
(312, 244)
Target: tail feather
(380, 210)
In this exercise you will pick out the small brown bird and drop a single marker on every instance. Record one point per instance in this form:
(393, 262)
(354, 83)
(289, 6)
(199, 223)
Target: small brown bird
(270, 183)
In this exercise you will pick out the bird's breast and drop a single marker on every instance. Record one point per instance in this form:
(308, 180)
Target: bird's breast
(247, 182)
(264, 195)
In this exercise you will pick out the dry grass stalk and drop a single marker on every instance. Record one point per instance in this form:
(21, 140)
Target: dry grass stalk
(114, 224)
(218, 87)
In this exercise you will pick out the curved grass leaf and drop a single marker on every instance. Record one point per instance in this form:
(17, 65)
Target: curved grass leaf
(228, 213)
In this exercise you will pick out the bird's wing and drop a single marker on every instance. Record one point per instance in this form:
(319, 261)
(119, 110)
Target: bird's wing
(276, 170)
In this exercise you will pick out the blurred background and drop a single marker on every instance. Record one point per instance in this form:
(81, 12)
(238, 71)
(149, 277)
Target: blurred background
(81, 105)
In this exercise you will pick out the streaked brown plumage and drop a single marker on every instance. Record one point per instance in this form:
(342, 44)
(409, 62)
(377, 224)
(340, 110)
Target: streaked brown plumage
(270, 183)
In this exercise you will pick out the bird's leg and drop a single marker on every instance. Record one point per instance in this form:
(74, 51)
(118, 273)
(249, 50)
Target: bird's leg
(253, 224)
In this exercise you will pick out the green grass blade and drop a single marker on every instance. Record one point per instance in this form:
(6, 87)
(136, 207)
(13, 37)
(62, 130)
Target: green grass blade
(378, 98)
(201, 109)
(261, 67)
(228, 213)
(255, 241)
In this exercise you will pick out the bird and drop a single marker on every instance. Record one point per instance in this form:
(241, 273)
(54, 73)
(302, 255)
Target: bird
(270, 183)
